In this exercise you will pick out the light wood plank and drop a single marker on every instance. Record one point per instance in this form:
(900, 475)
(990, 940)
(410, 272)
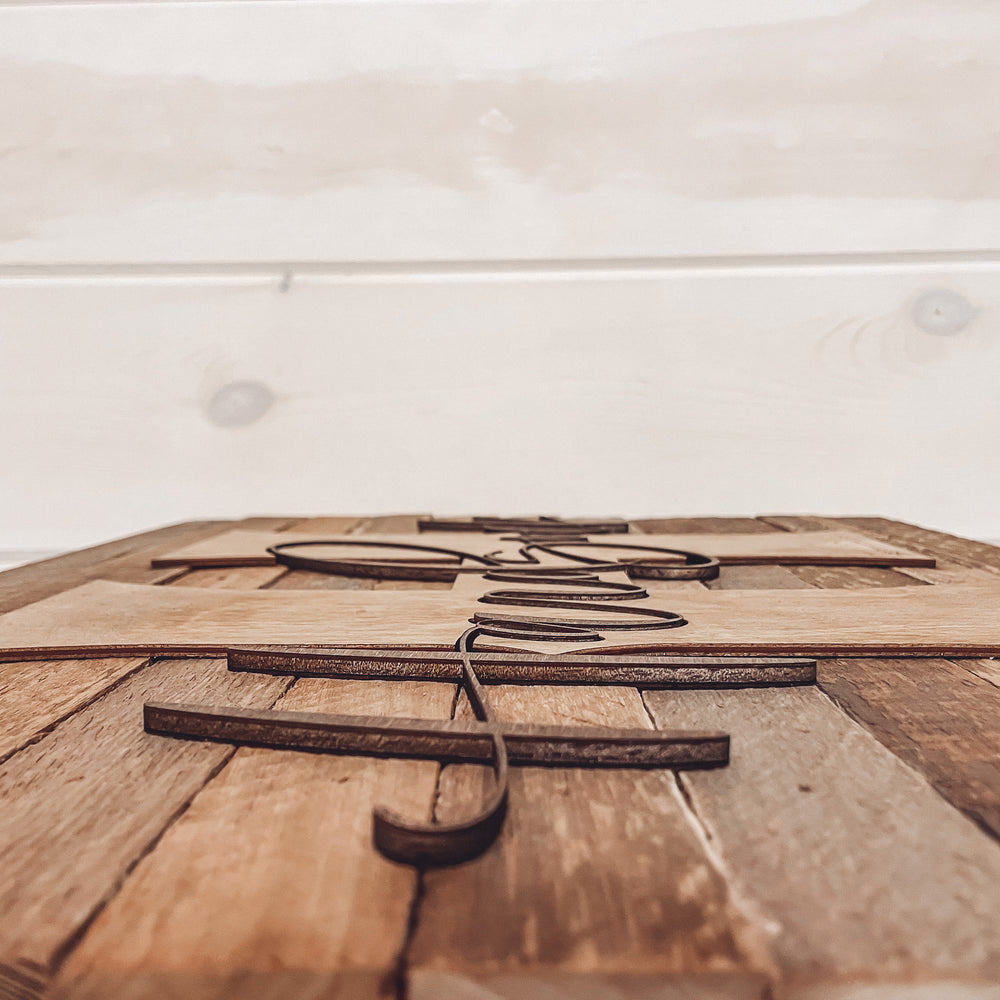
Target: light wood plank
(854, 577)
(244, 548)
(122, 559)
(701, 525)
(343, 524)
(945, 569)
(596, 872)
(756, 578)
(38, 694)
(107, 618)
(231, 577)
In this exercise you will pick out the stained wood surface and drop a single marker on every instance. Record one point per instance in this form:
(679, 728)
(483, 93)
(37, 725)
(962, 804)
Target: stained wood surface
(937, 715)
(290, 899)
(852, 859)
(594, 871)
(35, 695)
(247, 548)
(789, 835)
(871, 874)
(942, 620)
(86, 802)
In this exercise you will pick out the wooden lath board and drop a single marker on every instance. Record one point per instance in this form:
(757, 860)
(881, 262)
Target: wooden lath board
(106, 618)
(248, 548)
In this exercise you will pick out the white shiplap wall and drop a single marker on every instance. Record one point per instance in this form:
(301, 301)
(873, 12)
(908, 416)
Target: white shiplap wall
(592, 256)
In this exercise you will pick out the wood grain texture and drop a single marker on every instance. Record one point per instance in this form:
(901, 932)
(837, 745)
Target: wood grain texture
(946, 569)
(293, 908)
(700, 525)
(963, 551)
(125, 619)
(286, 896)
(859, 867)
(37, 694)
(836, 358)
(231, 578)
(83, 805)
(853, 577)
(756, 578)
(245, 548)
(467, 125)
(123, 559)
(594, 872)
(940, 717)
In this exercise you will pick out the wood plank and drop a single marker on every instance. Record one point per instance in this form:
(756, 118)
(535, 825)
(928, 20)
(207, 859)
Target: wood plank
(946, 569)
(756, 578)
(596, 872)
(291, 900)
(90, 797)
(122, 559)
(86, 802)
(340, 525)
(700, 525)
(37, 694)
(390, 524)
(243, 548)
(818, 329)
(857, 865)
(231, 577)
(951, 989)
(988, 670)
(790, 848)
(34, 696)
(964, 551)
(249, 548)
(940, 717)
(467, 123)
(853, 577)
(916, 620)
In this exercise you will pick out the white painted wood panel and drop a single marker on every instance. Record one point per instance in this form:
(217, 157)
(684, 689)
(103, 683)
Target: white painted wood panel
(628, 392)
(496, 129)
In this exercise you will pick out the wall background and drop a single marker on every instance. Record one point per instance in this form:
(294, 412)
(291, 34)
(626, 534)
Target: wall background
(575, 256)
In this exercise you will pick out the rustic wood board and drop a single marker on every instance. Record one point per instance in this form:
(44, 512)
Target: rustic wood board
(609, 858)
(34, 695)
(860, 924)
(106, 618)
(859, 867)
(84, 803)
(290, 900)
(249, 548)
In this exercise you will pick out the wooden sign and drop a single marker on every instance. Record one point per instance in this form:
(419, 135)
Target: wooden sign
(812, 548)
(805, 839)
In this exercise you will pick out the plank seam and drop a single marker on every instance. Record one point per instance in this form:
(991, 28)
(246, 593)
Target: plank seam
(63, 951)
(40, 734)
(918, 771)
